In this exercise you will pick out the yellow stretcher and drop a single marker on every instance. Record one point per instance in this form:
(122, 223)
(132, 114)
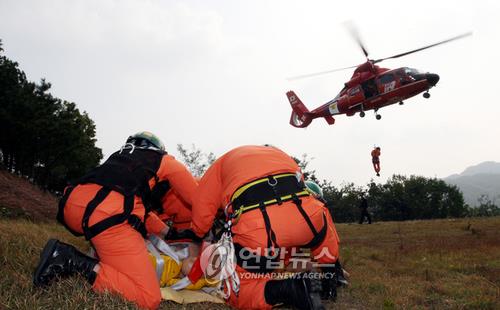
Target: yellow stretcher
(168, 269)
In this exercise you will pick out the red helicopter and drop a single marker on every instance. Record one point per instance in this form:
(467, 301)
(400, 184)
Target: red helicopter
(370, 88)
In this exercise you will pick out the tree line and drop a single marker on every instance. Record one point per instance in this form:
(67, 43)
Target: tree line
(43, 138)
(401, 198)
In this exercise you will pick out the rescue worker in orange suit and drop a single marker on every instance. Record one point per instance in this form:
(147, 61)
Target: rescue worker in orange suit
(175, 211)
(272, 211)
(376, 160)
(110, 207)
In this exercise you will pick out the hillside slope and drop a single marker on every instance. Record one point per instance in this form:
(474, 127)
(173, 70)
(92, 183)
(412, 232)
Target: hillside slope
(481, 179)
(20, 198)
(473, 186)
(486, 167)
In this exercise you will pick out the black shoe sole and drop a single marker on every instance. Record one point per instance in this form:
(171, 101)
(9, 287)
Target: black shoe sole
(314, 297)
(46, 253)
(314, 294)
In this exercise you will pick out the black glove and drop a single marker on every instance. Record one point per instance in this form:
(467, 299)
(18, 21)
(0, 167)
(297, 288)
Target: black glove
(174, 234)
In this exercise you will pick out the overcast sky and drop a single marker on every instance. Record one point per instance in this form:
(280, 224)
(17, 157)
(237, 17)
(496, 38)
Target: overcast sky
(213, 73)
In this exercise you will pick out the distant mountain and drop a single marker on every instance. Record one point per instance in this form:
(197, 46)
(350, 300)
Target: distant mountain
(481, 179)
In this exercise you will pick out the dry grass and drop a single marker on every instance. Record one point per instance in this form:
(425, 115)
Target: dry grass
(440, 264)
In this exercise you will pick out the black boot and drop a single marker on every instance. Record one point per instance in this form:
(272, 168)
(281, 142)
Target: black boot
(339, 272)
(333, 277)
(59, 259)
(329, 284)
(301, 293)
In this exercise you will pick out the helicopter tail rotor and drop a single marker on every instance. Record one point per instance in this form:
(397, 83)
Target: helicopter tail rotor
(300, 117)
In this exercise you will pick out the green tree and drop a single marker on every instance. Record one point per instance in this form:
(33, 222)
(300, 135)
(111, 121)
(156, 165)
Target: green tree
(486, 207)
(415, 197)
(343, 202)
(42, 137)
(196, 161)
(303, 163)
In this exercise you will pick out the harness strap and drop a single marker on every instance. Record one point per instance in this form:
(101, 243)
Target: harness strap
(243, 188)
(258, 194)
(126, 216)
(252, 262)
(278, 200)
(262, 193)
(91, 206)
(319, 237)
(264, 264)
(298, 203)
(273, 189)
(92, 231)
(271, 236)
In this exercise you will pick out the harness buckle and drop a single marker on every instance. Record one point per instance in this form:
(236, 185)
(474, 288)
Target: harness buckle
(127, 146)
(275, 190)
(272, 184)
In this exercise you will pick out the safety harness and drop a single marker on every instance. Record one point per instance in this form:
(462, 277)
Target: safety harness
(127, 172)
(263, 193)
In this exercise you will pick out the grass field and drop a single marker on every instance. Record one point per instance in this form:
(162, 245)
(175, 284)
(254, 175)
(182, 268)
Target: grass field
(439, 264)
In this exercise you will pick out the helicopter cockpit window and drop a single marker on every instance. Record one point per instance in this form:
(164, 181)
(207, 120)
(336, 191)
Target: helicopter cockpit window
(403, 77)
(386, 78)
(411, 72)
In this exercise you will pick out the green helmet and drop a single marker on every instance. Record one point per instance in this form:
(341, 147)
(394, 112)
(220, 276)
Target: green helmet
(314, 189)
(146, 139)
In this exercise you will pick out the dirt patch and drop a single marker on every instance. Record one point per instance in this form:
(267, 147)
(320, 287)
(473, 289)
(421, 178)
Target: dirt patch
(21, 199)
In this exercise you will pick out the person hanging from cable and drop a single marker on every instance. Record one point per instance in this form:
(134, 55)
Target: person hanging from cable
(376, 160)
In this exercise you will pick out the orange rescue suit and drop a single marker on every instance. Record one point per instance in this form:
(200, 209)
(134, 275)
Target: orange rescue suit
(124, 260)
(376, 160)
(176, 210)
(241, 166)
(375, 154)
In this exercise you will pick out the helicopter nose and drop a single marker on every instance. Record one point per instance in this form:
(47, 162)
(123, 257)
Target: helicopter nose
(432, 78)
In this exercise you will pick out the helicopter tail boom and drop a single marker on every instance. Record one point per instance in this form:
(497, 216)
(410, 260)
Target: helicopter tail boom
(301, 117)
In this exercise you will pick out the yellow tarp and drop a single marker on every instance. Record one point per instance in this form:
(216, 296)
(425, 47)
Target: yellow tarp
(188, 296)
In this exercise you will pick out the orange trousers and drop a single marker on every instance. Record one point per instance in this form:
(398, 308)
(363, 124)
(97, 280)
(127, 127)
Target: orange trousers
(126, 268)
(291, 231)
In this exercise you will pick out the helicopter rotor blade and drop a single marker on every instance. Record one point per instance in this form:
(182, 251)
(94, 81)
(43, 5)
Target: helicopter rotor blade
(303, 76)
(355, 34)
(423, 48)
